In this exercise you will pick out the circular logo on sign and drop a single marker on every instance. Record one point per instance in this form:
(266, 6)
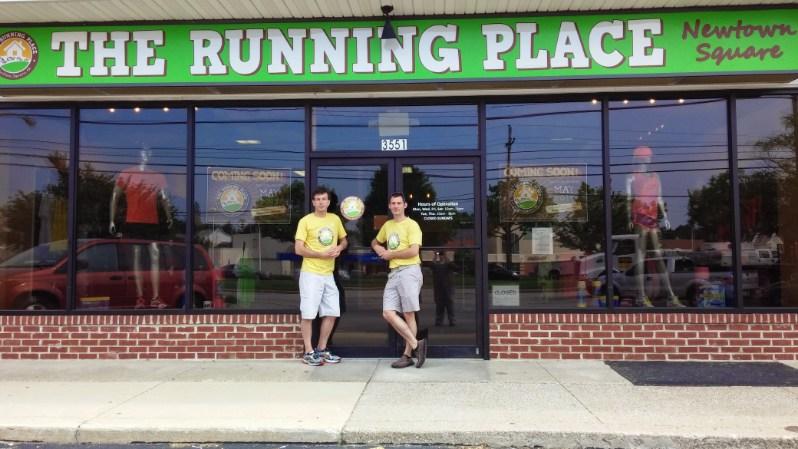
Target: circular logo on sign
(18, 55)
(526, 197)
(352, 208)
(393, 241)
(325, 236)
(233, 199)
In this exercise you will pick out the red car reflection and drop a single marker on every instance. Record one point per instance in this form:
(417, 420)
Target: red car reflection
(111, 273)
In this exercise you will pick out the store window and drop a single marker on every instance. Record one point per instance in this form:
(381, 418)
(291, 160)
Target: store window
(249, 196)
(672, 219)
(395, 129)
(767, 150)
(131, 210)
(34, 169)
(545, 205)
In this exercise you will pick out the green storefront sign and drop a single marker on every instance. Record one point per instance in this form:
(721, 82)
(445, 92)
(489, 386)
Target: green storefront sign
(428, 50)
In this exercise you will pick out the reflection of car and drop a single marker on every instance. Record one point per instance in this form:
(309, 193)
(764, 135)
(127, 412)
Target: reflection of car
(498, 272)
(681, 272)
(107, 275)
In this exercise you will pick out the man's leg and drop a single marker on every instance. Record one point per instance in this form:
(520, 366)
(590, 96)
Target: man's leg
(410, 319)
(401, 327)
(327, 324)
(310, 298)
(307, 331)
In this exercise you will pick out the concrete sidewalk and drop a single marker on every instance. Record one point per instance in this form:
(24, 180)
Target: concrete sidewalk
(558, 404)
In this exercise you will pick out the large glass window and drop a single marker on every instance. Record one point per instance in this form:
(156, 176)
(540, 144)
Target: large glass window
(34, 168)
(672, 231)
(132, 208)
(249, 196)
(395, 128)
(767, 148)
(545, 205)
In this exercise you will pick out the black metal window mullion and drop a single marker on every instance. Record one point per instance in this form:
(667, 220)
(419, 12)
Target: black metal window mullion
(607, 189)
(482, 127)
(308, 150)
(190, 210)
(72, 208)
(734, 179)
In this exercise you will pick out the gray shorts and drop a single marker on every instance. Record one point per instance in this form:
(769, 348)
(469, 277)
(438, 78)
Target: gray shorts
(318, 295)
(402, 290)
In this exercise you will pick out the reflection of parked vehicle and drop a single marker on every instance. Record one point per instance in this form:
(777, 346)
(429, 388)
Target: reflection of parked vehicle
(497, 272)
(106, 275)
(682, 274)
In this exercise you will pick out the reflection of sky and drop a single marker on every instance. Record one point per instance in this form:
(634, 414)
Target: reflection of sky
(545, 134)
(759, 119)
(110, 142)
(431, 127)
(270, 138)
(688, 141)
(27, 137)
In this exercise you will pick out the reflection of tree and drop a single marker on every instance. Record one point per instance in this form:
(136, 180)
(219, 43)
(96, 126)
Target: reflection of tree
(588, 235)
(512, 226)
(94, 191)
(294, 196)
(708, 210)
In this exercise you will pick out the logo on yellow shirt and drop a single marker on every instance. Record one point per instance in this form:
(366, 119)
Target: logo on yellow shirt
(393, 241)
(325, 236)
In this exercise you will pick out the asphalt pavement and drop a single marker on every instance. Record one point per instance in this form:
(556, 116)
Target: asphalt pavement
(547, 404)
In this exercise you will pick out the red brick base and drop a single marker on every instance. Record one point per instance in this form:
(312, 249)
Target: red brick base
(644, 336)
(150, 337)
(634, 336)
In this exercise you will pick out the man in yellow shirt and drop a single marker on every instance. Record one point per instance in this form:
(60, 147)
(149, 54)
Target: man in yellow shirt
(402, 239)
(320, 238)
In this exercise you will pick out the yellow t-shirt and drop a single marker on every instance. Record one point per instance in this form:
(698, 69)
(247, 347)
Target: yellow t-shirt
(399, 236)
(319, 234)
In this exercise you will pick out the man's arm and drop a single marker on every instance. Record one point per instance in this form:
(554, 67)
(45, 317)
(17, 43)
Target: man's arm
(301, 250)
(378, 248)
(338, 249)
(406, 253)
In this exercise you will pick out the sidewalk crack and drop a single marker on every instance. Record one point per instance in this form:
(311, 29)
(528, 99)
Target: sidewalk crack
(354, 407)
(116, 406)
(573, 395)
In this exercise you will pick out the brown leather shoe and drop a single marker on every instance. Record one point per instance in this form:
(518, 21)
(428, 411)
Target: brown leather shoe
(421, 353)
(403, 362)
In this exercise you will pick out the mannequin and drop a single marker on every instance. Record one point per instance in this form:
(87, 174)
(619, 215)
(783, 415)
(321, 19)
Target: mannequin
(644, 192)
(144, 189)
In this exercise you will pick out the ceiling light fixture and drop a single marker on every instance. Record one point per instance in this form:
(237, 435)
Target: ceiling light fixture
(387, 29)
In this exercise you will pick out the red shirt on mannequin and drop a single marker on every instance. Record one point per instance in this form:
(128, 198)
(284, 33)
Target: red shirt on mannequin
(141, 188)
(645, 196)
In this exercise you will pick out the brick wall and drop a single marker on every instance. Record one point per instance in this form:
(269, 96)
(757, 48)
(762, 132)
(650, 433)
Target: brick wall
(644, 336)
(627, 336)
(150, 337)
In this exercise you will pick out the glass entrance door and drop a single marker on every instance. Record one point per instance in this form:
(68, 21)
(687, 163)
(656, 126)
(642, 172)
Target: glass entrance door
(442, 198)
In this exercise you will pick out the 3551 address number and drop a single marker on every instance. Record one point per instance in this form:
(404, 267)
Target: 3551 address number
(393, 145)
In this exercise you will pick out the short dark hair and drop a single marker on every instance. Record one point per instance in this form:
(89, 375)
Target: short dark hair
(320, 190)
(397, 195)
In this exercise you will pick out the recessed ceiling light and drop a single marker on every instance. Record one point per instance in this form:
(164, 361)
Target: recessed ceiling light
(625, 101)
(111, 109)
(248, 141)
(652, 101)
(137, 109)
(166, 109)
